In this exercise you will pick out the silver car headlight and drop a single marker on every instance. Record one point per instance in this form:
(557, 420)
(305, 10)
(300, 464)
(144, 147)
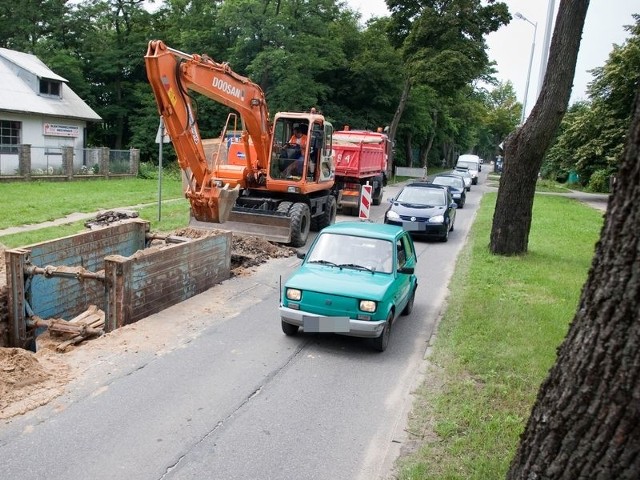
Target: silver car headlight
(368, 306)
(391, 215)
(436, 219)
(294, 294)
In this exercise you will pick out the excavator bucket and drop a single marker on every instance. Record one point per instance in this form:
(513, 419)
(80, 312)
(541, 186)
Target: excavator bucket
(273, 228)
(214, 205)
(269, 227)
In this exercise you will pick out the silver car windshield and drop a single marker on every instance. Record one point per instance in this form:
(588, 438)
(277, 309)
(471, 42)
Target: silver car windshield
(449, 181)
(348, 251)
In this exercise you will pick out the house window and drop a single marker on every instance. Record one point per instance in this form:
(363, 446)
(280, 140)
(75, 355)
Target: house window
(9, 136)
(49, 87)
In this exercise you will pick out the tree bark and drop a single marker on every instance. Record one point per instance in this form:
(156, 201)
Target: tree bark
(526, 147)
(393, 128)
(408, 150)
(586, 420)
(424, 153)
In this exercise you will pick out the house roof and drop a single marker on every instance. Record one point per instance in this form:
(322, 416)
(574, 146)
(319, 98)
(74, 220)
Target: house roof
(19, 96)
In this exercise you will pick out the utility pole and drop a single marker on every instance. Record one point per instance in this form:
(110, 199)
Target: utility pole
(544, 57)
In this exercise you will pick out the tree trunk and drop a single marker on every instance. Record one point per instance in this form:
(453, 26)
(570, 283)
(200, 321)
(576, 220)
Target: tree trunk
(586, 420)
(526, 147)
(424, 155)
(393, 128)
(408, 151)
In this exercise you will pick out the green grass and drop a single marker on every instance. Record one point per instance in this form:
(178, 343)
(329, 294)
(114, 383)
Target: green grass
(25, 203)
(173, 215)
(504, 320)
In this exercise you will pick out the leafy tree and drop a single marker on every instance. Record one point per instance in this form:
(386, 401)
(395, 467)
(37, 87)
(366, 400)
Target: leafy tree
(25, 23)
(585, 422)
(442, 43)
(590, 137)
(575, 131)
(525, 149)
(501, 117)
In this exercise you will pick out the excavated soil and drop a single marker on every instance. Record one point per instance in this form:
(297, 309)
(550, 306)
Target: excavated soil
(29, 380)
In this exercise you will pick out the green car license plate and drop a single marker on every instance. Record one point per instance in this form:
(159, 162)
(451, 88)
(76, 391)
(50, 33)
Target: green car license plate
(326, 324)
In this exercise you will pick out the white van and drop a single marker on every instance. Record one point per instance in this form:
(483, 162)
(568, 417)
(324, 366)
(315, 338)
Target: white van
(472, 162)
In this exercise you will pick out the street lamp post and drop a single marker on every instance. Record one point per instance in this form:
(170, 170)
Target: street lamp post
(533, 48)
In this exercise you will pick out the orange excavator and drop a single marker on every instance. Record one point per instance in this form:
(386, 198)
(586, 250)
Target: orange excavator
(267, 186)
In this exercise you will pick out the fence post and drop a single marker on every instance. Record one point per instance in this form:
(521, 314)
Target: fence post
(134, 161)
(67, 161)
(24, 161)
(104, 161)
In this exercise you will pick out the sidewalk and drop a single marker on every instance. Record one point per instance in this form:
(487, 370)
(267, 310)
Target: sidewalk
(75, 217)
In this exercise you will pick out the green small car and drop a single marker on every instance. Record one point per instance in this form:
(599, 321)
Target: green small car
(355, 280)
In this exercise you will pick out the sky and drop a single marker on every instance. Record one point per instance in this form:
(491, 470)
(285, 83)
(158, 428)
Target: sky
(510, 47)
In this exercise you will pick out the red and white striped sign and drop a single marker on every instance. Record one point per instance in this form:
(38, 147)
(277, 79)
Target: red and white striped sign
(365, 201)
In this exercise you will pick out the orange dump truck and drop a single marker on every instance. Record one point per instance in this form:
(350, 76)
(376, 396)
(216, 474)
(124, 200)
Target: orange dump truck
(360, 157)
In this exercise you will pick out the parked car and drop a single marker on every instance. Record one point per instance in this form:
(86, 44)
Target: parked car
(356, 279)
(472, 162)
(464, 173)
(456, 185)
(423, 209)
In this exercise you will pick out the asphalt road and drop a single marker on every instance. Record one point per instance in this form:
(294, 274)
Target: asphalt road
(240, 400)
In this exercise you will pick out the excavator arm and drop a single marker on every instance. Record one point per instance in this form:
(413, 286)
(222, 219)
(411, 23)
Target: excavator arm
(172, 75)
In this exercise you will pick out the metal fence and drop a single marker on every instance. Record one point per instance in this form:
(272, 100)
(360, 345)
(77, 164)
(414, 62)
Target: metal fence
(414, 172)
(67, 162)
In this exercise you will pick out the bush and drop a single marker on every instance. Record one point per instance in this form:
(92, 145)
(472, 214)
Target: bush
(147, 170)
(599, 181)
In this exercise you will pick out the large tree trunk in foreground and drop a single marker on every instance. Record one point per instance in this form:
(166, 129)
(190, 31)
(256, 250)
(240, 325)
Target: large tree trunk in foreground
(525, 149)
(586, 420)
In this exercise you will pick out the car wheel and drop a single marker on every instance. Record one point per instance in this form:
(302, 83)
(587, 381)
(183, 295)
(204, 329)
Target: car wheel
(445, 237)
(380, 343)
(289, 329)
(409, 306)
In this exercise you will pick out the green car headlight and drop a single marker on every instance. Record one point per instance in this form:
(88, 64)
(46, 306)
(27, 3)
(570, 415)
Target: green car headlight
(294, 294)
(368, 306)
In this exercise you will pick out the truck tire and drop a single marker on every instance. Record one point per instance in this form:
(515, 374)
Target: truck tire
(284, 207)
(377, 196)
(300, 224)
(328, 217)
(378, 190)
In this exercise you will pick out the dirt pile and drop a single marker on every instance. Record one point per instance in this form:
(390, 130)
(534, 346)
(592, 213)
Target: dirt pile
(246, 251)
(29, 380)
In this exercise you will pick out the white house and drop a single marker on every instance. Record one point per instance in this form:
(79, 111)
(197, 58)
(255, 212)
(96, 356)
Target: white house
(38, 108)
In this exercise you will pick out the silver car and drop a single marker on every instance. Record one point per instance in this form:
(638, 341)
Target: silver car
(466, 176)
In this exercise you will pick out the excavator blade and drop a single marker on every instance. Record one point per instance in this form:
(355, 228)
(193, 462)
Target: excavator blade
(214, 206)
(274, 228)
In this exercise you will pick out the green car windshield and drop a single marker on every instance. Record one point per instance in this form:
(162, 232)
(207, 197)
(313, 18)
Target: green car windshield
(348, 251)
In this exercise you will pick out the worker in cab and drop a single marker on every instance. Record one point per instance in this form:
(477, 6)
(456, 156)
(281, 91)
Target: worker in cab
(298, 138)
(299, 141)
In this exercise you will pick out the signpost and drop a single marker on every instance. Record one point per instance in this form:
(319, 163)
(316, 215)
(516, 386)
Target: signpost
(161, 137)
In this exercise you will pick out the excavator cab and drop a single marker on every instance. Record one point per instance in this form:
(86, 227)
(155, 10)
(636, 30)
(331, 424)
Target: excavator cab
(300, 161)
